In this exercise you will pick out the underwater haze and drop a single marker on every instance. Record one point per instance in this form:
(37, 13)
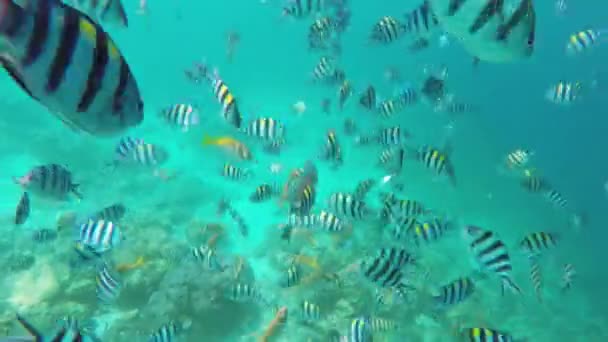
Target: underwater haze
(348, 171)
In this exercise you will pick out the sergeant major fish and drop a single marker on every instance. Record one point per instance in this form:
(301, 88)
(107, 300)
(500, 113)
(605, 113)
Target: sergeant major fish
(68, 63)
(51, 181)
(65, 332)
(181, 115)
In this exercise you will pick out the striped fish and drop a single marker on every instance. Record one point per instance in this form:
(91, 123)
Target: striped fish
(455, 292)
(208, 256)
(330, 222)
(112, 213)
(495, 31)
(225, 206)
(486, 335)
(363, 187)
(148, 155)
(568, 274)
(332, 150)
(536, 278)
(344, 93)
(584, 40)
(386, 267)
(264, 192)
(266, 129)
(234, 172)
(166, 333)
(348, 206)
(421, 23)
(292, 276)
(310, 311)
(360, 330)
(230, 109)
(492, 255)
(304, 221)
(241, 292)
(368, 98)
(381, 325)
(22, 212)
(303, 203)
(564, 93)
(108, 286)
(392, 136)
(44, 235)
(100, 235)
(387, 30)
(125, 147)
(325, 68)
(429, 231)
(304, 8)
(181, 115)
(534, 183)
(104, 11)
(555, 198)
(403, 226)
(518, 158)
(535, 243)
(437, 160)
(51, 181)
(68, 63)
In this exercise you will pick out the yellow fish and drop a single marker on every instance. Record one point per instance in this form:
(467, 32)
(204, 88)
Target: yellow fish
(230, 144)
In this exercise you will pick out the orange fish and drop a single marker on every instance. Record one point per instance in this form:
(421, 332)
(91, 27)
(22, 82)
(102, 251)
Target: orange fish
(230, 144)
(131, 266)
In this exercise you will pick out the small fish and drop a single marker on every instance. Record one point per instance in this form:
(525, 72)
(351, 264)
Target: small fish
(125, 147)
(109, 11)
(535, 243)
(51, 181)
(232, 145)
(422, 24)
(344, 93)
(310, 311)
(321, 32)
(263, 192)
(207, 255)
(114, 213)
(404, 226)
(360, 330)
(534, 183)
(368, 98)
(22, 212)
(303, 204)
(347, 205)
(387, 30)
(241, 292)
(584, 40)
(304, 221)
(381, 325)
(265, 128)
(225, 206)
(363, 187)
(492, 255)
(485, 335)
(324, 69)
(536, 278)
(99, 235)
(455, 292)
(148, 155)
(568, 274)
(330, 222)
(564, 93)
(429, 231)
(394, 207)
(436, 160)
(332, 150)
(166, 333)
(108, 286)
(235, 173)
(392, 136)
(230, 109)
(181, 115)
(555, 198)
(44, 235)
(292, 276)
(304, 8)
(518, 159)
(385, 268)
(55, 67)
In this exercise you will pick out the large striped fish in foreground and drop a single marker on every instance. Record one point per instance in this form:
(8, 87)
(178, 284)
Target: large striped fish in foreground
(104, 11)
(68, 63)
(498, 31)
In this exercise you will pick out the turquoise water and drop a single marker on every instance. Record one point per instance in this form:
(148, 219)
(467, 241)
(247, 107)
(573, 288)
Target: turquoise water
(270, 72)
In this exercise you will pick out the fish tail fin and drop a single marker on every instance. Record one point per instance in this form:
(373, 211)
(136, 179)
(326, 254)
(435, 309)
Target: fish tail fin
(27, 325)
(76, 192)
(508, 283)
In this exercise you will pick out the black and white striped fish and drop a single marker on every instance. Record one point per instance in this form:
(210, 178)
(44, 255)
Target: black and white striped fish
(382, 325)
(330, 222)
(234, 172)
(108, 286)
(536, 278)
(99, 235)
(304, 8)
(67, 62)
(104, 11)
(436, 160)
(181, 115)
(264, 192)
(332, 150)
(556, 198)
(564, 93)
(360, 331)
(22, 212)
(166, 333)
(125, 146)
(492, 255)
(292, 276)
(266, 129)
(208, 256)
(309, 311)
(403, 226)
(368, 98)
(386, 267)
(348, 206)
(391, 136)
(363, 187)
(568, 274)
(387, 30)
(44, 235)
(147, 155)
(325, 68)
(421, 23)
(113, 213)
(304, 221)
(429, 230)
(241, 292)
(491, 30)
(51, 181)
(536, 243)
(455, 292)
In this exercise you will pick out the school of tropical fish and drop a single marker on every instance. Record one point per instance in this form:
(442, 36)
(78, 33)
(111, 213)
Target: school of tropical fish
(338, 264)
